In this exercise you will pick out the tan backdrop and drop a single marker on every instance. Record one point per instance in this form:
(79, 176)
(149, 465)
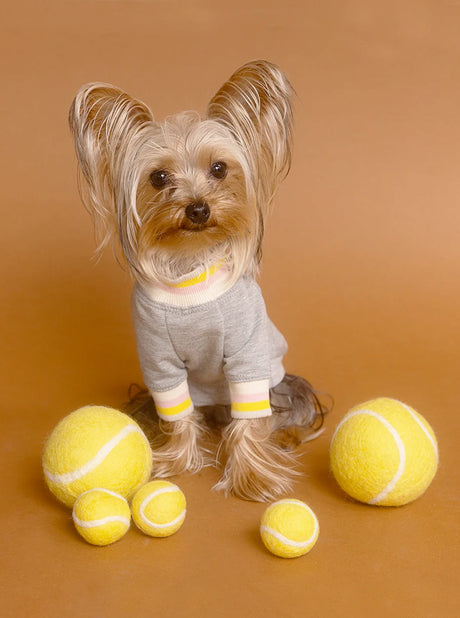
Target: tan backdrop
(360, 272)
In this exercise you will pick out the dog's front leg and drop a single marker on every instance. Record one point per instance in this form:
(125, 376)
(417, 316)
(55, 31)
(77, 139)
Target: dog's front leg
(255, 467)
(177, 447)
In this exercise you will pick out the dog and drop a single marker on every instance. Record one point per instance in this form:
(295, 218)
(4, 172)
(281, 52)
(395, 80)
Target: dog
(188, 199)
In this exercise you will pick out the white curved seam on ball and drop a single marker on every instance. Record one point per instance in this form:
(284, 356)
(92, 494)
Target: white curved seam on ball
(280, 537)
(100, 522)
(168, 524)
(104, 490)
(69, 477)
(154, 494)
(422, 427)
(399, 445)
(296, 502)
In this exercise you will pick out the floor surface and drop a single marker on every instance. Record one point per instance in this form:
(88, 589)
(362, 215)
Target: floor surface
(360, 272)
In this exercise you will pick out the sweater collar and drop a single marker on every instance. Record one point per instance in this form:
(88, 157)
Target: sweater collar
(195, 288)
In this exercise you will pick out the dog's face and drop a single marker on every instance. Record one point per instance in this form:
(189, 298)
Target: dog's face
(188, 191)
(192, 195)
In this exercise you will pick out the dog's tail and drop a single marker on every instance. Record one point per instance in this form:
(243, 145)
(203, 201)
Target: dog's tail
(295, 403)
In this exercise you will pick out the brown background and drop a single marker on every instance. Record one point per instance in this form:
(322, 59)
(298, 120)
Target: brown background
(361, 273)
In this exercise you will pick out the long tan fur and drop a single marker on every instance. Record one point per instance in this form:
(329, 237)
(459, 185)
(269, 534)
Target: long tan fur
(255, 467)
(178, 448)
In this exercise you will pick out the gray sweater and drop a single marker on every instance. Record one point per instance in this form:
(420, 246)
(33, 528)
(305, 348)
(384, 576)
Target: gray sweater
(217, 341)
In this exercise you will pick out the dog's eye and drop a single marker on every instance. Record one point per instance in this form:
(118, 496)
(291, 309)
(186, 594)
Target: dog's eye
(219, 170)
(159, 178)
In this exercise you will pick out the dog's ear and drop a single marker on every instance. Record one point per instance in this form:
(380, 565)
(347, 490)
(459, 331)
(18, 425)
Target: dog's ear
(255, 105)
(107, 125)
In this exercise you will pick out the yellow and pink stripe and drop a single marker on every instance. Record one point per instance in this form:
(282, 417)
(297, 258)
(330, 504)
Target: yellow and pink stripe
(250, 399)
(174, 404)
(202, 280)
(197, 288)
(197, 284)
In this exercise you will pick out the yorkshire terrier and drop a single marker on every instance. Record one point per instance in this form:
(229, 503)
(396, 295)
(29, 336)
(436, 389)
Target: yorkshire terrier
(188, 199)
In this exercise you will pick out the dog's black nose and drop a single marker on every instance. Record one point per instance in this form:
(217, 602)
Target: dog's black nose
(198, 212)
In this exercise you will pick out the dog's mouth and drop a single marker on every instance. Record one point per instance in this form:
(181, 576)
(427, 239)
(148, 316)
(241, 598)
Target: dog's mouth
(196, 227)
(192, 232)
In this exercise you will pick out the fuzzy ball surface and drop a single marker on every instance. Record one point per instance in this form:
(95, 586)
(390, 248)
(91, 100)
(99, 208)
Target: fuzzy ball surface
(289, 528)
(384, 453)
(101, 516)
(159, 508)
(94, 447)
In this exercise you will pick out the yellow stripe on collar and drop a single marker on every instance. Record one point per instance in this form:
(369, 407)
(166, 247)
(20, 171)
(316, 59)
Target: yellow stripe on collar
(199, 278)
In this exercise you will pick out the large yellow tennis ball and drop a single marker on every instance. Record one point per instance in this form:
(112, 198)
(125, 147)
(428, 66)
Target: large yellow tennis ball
(383, 452)
(101, 516)
(96, 447)
(159, 508)
(289, 528)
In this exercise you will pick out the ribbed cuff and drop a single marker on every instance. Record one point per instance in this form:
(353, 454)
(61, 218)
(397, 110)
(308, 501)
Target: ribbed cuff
(250, 399)
(175, 404)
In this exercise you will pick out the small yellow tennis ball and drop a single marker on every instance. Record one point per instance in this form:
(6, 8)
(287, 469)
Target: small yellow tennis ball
(96, 447)
(101, 516)
(383, 452)
(159, 508)
(289, 528)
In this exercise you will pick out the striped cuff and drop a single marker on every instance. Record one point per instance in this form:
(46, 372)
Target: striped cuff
(250, 399)
(174, 404)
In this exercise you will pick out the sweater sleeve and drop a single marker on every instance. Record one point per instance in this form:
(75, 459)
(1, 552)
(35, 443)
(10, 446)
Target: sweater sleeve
(247, 363)
(163, 371)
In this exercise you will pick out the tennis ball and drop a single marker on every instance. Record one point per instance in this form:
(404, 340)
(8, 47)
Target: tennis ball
(96, 447)
(101, 516)
(159, 508)
(383, 452)
(289, 528)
